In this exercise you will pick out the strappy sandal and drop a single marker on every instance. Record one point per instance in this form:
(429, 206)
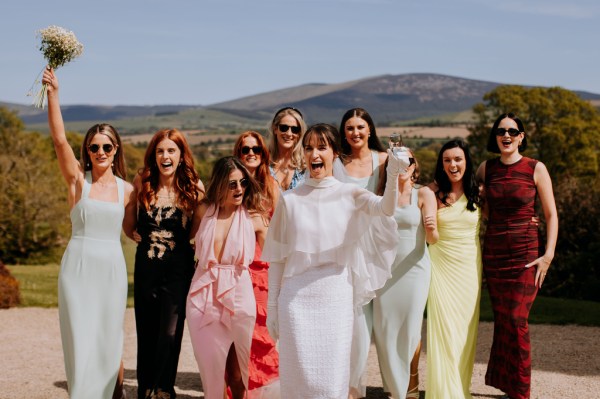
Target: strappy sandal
(413, 393)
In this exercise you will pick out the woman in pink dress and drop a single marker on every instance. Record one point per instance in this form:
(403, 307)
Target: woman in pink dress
(263, 380)
(221, 309)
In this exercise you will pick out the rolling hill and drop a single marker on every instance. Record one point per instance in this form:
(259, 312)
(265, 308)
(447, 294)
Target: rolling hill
(391, 99)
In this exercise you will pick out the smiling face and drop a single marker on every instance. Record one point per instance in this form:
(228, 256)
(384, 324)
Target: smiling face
(251, 156)
(319, 156)
(287, 140)
(168, 156)
(101, 158)
(454, 164)
(236, 187)
(508, 144)
(356, 131)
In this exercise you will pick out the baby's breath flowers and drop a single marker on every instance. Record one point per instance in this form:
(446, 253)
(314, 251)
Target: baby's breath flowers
(59, 46)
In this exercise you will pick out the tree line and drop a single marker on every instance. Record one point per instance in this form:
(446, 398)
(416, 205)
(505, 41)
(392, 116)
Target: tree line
(563, 132)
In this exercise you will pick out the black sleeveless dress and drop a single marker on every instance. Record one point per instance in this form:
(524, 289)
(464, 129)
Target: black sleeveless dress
(164, 266)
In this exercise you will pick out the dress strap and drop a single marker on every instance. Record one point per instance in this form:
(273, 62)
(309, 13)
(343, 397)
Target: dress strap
(87, 185)
(375, 176)
(414, 197)
(375, 160)
(121, 190)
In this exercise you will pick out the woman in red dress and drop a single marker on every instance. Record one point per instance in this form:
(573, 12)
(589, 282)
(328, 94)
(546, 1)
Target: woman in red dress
(512, 264)
(263, 380)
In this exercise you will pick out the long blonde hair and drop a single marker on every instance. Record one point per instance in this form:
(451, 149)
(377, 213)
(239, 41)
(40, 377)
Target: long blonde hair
(297, 153)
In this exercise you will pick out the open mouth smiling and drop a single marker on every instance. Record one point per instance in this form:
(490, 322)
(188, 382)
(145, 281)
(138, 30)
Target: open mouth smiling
(317, 166)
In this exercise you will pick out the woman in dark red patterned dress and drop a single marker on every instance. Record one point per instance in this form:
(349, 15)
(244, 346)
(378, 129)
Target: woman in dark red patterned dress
(512, 264)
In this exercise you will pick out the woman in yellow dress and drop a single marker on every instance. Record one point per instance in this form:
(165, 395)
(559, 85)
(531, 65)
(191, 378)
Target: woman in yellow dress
(453, 302)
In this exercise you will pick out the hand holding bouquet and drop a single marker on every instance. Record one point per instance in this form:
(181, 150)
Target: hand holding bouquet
(59, 47)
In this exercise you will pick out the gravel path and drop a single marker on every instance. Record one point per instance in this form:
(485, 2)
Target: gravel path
(566, 360)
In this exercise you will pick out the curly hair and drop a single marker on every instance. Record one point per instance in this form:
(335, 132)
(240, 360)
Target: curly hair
(186, 177)
(262, 173)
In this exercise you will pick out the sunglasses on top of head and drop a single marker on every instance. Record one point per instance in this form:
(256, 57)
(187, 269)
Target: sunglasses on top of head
(233, 184)
(107, 148)
(257, 150)
(284, 128)
(512, 132)
(292, 108)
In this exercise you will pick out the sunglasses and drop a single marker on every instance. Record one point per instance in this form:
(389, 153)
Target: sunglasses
(257, 150)
(233, 184)
(292, 108)
(284, 128)
(411, 161)
(512, 132)
(107, 148)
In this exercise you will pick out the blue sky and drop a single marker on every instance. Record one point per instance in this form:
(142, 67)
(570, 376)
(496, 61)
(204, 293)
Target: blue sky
(147, 52)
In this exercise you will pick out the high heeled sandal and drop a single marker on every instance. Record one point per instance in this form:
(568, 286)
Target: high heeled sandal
(413, 393)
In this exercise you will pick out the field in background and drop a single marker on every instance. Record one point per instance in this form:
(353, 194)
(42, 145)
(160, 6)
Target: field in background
(38, 286)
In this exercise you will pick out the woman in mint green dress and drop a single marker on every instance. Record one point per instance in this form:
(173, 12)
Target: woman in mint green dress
(92, 284)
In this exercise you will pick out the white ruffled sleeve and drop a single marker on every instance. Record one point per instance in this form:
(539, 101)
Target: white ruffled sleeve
(276, 248)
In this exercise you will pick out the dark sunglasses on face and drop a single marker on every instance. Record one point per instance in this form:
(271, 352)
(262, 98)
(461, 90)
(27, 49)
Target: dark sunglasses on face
(512, 132)
(233, 184)
(107, 148)
(284, 128)
(411, 161)
(257, 150)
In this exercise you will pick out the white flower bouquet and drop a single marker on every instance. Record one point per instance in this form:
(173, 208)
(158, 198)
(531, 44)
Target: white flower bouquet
(59, 47)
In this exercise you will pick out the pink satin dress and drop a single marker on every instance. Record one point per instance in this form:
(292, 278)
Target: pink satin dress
(221, 310)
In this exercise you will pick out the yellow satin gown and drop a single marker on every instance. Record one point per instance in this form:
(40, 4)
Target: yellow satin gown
(453, 303)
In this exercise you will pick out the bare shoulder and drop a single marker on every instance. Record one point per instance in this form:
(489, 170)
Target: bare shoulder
(382, 157)
(201, 186)
(128, 187)
(480, 174)
(201, 210)
(426, 191)
(540, 172)
(259, 220)
(137, 182)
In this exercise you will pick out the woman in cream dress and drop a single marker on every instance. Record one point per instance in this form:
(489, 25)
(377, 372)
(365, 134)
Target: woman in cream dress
(322, 268)
(453, 303)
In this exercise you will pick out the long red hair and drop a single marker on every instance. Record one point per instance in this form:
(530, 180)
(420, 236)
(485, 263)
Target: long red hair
(262, 174)
(186, 177)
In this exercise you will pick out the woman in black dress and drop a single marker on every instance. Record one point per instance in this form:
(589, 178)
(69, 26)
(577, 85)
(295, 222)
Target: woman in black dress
(168, 190)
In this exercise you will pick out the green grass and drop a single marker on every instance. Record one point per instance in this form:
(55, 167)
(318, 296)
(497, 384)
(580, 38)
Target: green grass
(39, 284)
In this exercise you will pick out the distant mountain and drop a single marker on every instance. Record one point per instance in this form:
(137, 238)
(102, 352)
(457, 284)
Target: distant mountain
(74, 113)
(389, 98)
